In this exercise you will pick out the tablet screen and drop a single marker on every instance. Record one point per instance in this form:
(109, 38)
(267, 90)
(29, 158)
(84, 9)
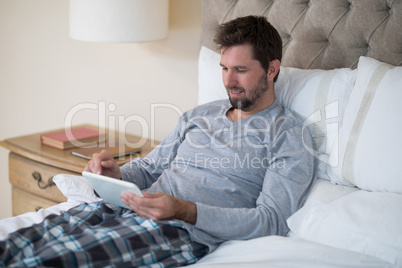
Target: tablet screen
(109, 189)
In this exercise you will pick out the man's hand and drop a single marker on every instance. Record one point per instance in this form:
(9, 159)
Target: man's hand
(161, 206)
(103, 164)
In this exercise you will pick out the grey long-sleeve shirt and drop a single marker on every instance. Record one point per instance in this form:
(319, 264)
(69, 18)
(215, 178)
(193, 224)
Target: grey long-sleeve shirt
(246, 177)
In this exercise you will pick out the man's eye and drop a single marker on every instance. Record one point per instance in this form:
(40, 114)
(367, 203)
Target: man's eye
(241, 70)
(224, 69)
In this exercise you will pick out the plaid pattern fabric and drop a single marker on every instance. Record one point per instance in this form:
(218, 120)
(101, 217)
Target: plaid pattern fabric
(100, 235)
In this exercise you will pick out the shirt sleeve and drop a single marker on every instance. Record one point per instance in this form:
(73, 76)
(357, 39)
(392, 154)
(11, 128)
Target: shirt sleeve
(145, 171)
(285, 188)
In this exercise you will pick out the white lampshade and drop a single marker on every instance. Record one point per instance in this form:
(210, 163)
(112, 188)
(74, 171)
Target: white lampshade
(119, 21)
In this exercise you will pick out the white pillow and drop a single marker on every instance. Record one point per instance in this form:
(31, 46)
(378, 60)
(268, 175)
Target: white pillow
(323, 191)
(370, 143)
(210, 83)
(75, 188)
(366, 222)
(319, 97)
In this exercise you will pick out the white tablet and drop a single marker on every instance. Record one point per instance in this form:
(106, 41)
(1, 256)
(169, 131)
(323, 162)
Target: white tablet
(109, 189)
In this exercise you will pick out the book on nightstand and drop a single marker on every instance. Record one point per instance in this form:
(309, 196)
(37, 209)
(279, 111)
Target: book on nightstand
(59, 139)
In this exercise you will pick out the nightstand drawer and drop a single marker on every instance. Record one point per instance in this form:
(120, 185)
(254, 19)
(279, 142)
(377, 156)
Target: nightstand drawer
(36, 178)
(25, 202)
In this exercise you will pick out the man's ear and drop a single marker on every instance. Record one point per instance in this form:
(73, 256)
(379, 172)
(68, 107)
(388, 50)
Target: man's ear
(273, 69)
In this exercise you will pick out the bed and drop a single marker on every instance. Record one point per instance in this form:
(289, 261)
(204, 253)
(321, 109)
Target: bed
(340, 72)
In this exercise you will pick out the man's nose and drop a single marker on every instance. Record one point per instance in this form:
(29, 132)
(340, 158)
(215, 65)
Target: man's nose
(229, 79)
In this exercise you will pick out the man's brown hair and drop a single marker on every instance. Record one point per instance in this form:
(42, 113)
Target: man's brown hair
(258, 32)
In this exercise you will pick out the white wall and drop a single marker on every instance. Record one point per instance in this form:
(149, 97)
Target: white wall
(44, 74)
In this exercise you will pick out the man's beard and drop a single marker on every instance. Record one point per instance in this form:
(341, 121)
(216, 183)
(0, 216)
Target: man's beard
(245, 103)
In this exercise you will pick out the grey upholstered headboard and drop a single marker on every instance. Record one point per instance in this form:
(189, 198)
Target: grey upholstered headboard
(319, 34)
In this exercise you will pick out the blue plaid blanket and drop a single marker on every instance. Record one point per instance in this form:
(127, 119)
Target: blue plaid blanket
(100, 235)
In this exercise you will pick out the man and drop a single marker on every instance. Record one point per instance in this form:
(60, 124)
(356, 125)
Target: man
(221, 202)
(231, 169)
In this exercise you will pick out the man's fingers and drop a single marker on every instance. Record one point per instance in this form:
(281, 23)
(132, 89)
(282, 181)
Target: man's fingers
(131, 200)
(94, 166)
(102, 163)
(106, 164)
(156, 206)
(140, 204)
(159, 206)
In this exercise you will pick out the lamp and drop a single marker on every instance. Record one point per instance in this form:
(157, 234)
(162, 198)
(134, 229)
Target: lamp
(119, 21)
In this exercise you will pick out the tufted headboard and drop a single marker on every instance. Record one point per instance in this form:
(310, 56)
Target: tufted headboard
(319, 34)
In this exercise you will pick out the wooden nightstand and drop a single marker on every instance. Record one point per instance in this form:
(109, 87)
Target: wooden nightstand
(32, 166)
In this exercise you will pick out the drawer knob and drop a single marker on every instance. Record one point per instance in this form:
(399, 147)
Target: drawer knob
(36, 175)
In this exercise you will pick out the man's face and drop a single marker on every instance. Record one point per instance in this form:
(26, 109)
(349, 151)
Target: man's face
(244, 78)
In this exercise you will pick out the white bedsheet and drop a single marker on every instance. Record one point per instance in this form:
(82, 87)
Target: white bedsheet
(11, 224)
(276, 251)
(271, 251)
